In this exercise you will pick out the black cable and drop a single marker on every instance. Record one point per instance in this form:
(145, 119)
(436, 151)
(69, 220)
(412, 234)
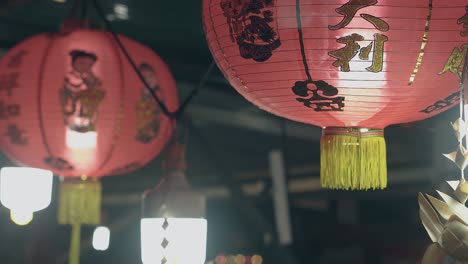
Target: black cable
(194, 92)
(74, 9)
(84, 9)
(173, 115)
(130, 60)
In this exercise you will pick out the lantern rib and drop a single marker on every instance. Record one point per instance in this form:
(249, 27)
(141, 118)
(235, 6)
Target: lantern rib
(39, 97)
(116, 132)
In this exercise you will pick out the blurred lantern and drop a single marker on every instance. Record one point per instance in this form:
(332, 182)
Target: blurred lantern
(25, 191)
(173, 229)
(101, 238)
(71, 103)
(352, 67)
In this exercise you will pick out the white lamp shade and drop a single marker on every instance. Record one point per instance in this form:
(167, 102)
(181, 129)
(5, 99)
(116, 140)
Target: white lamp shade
(179, 240)
(101, 238)
(25, 190)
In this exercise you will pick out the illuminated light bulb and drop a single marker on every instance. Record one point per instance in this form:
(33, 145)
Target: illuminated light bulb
(101, 238)
(21, 218)
(80, 140)
(178, 240)
(25, 191)
(173, 228)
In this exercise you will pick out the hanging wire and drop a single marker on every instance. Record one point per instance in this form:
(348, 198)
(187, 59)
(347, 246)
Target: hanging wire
(195, 91)
(173, 115)
(75, 7)
(84, 9)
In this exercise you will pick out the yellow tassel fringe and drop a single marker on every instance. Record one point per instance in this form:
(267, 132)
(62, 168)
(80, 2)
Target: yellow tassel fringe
(353, 159)
(79, 203)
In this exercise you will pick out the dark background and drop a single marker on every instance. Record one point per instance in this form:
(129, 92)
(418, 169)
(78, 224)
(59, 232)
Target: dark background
(228, 149)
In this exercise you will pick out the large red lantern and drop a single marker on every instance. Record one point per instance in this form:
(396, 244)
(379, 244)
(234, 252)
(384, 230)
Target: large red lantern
(352, 67)
(70, 102)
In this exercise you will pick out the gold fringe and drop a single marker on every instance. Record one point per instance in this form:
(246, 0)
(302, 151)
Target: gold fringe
(80, 201)
(353, 159)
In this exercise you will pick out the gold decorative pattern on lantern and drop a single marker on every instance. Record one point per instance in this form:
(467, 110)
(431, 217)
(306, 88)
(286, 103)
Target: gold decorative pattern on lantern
(423, 44)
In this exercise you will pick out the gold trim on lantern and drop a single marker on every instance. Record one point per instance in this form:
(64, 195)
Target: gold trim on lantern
(353, 158)
(423, 44)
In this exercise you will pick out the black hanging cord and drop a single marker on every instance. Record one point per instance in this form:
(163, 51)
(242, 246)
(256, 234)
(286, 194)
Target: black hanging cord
(84, 9)
(165, 110)
(130, 60)
(194, 92)
(75, 7)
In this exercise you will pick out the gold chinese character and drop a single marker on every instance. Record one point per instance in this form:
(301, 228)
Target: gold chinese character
(454, 62)
(377, 58)
(350, 9)
(344, 55)
(464, 20)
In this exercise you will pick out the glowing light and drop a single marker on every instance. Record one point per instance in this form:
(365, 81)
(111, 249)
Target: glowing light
(101, 238)
(364, 130)
(121, 11)
(25, 191)
(177, 240)
(79, 140)
(21, 218)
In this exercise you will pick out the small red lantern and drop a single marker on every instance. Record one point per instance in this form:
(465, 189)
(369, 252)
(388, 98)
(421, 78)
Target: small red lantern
(70, 102)
(352, 67)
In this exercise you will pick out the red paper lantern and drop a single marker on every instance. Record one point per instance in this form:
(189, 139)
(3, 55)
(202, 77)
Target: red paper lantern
(70, 102)
(352, 67)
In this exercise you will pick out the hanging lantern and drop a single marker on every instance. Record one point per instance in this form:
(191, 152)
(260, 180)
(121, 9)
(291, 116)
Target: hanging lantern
(71, 103)
(351, 67)
(25, 199)
(173, 228)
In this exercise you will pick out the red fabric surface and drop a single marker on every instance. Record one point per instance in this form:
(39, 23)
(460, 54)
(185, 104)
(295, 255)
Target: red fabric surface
(52, 85)
(257, 44)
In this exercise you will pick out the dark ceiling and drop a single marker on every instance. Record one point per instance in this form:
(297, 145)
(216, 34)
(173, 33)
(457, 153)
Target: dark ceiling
(228, 158)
